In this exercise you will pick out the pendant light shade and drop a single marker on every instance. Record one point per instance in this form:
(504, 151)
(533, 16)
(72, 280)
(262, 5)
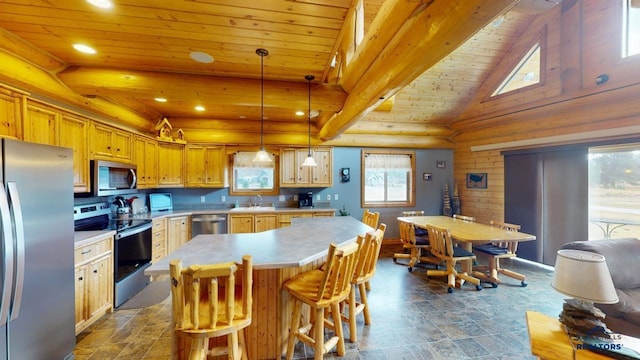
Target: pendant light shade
(262, 156)
(309, 161)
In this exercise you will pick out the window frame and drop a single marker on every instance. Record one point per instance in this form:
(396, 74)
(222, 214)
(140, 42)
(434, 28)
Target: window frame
(411, 181)
(254, 192)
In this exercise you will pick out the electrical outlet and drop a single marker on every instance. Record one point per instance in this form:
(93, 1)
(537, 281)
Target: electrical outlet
(223, 198)
(202, 198)
(318, 197)
(295, 197)
(335, 197)
(281, 198)
(328, 197)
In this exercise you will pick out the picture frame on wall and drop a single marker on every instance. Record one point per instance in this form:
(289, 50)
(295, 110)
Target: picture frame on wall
(477, 180)
(441, 164)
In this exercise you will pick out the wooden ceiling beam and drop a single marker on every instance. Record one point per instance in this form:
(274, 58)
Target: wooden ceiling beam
(216, 90)
(420, 34)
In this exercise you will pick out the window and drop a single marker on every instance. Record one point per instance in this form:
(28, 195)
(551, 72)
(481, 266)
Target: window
(388, 178)
(526, 73)
(631, 28)
(249, 177)
(614, 189)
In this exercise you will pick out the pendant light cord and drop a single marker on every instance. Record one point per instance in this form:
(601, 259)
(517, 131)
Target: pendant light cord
(261, 101)
(309, 79)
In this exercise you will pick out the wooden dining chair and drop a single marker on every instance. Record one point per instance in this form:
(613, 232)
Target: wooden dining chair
(365, 268)
(497, 251)
(322, 290)
(443, 249)
(415, 245)
(208, 302)
(371, 218)
(464, 218)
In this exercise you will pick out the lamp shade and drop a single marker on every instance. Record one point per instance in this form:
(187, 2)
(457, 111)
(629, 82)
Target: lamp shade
(584, 276)
(309, 161)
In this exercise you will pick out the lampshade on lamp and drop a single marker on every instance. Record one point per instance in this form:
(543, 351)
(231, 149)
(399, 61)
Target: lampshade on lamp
(309, 161)
(584, 276)
(262, 156)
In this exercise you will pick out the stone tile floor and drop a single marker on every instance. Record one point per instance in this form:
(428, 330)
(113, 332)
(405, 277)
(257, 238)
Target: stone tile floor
(413, 317)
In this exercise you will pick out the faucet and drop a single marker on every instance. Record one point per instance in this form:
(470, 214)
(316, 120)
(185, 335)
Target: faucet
(258, 201)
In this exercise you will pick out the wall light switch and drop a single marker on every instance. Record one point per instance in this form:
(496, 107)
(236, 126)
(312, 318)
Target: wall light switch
(335, 197)
(223, 198)
(202, 198)
(328, 197)
(318, 197)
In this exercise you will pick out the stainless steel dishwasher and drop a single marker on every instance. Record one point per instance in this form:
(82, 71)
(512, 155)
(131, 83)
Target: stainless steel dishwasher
(208, 224)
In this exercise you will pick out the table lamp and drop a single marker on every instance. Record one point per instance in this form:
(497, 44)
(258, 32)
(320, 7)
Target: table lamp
(585, 277)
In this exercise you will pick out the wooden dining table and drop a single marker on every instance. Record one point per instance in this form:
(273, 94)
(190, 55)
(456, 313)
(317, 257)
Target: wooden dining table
(468, 233)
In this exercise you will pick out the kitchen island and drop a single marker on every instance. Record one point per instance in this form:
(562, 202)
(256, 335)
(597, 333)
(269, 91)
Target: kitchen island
(278, 255)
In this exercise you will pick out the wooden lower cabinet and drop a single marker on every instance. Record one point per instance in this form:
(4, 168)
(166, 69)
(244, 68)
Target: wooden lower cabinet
(177, 232)
(250, 223)
(93, 281)
(158, 239)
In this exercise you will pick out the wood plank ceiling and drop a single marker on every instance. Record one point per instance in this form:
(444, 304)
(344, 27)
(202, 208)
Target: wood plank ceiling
(143, 52)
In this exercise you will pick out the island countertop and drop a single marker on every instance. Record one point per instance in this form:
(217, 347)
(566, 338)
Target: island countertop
(306, 240)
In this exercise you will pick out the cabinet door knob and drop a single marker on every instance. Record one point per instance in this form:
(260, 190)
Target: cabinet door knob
(80, 278)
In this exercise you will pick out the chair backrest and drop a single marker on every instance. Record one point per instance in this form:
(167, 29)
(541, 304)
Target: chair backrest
(413, 213)
(369, 252)
(407, 232)
(440, 242)
(464, 218)
(338, 273)
(206, 297)
(371, 218)
(512, 246)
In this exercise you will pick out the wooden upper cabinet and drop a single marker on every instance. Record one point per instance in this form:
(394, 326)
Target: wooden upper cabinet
(170, 165)
(293, 174)
(73, 134)
(110, 143)
(40, 124)
(145, 155)
(206, 166)
(10, 113)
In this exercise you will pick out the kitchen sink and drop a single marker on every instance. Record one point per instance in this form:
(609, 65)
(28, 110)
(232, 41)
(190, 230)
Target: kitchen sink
(254, 208)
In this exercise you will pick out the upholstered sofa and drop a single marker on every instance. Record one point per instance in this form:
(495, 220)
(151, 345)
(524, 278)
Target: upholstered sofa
(623, 260)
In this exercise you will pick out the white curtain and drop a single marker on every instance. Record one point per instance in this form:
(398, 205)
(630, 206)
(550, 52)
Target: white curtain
(244, 159)
(387, 161)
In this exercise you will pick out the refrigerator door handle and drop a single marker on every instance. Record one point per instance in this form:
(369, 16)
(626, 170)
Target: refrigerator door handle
(14, 200)
(7, 261)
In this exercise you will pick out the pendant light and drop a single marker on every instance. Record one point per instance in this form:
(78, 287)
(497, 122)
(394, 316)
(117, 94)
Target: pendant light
(262, 156)
(309, 161)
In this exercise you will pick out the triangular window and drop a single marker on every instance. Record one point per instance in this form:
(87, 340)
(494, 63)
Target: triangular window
(526, 73)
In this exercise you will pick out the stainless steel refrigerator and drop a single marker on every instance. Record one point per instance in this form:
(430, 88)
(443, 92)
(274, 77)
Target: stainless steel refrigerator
(37, 288)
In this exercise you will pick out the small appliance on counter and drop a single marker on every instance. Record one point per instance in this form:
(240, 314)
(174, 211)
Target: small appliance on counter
(137, 205)
(305, 200)
(160, 202)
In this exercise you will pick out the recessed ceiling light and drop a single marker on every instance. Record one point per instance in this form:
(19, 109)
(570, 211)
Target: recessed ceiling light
(199, 108)
(497, 22)
(242, 117)
(84, 49)
(530, 76)
(315, 113)
(160, 99)
(103, 4)
(201, 57)
(299, 113)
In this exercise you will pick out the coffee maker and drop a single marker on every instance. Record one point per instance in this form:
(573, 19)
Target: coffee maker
(305, 200)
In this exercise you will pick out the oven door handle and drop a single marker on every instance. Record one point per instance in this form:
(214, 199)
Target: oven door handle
(135, 230)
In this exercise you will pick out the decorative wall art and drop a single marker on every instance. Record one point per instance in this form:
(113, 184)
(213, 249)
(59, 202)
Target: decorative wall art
(477, 180)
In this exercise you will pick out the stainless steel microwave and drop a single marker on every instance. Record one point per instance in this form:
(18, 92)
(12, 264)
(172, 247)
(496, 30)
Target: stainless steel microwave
(113, 178)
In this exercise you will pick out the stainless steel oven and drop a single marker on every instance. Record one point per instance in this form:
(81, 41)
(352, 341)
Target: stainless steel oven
(132, 254)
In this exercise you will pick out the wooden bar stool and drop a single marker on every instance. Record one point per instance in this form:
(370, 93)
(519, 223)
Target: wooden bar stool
(370, 246)
(207, 303)
(322, 289)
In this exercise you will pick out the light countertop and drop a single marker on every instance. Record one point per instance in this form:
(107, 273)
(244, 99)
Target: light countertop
(306, 240)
